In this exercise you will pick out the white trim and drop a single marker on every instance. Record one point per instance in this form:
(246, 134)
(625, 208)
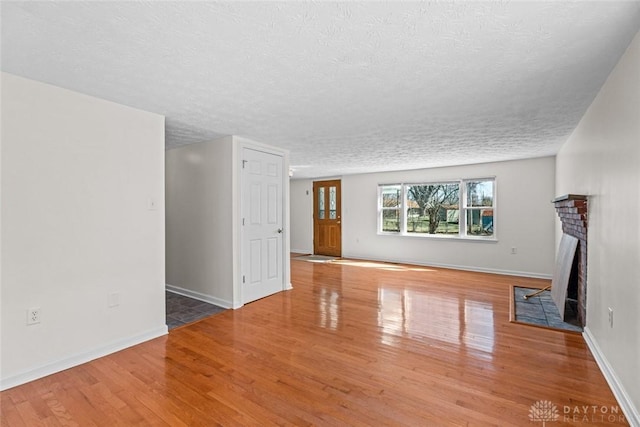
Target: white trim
(80, 358)
(310, 219)
(443, 237)
(327, 178)
(199, 296)
(301, 251)
(456, 267)
(630, 411)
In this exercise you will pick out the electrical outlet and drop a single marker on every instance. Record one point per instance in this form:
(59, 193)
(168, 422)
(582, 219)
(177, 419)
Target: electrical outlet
(33, 316)
(610, 317)
(514, 250)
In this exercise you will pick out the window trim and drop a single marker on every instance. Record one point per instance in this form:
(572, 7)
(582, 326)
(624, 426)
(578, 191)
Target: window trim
(462, 207)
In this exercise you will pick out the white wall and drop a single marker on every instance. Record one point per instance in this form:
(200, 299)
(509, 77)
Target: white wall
(78, 177)
(302, 216)
(525, 220)
(200, 253)
(602, 160)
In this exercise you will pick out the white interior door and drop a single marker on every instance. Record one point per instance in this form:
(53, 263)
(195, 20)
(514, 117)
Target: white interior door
(262, 230)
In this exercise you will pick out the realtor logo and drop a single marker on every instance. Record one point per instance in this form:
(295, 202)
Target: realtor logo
(543, 411)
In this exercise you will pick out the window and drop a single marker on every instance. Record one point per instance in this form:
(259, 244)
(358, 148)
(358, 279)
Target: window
(430, 207)
(390, 205)
(463, 208)
(479, 208)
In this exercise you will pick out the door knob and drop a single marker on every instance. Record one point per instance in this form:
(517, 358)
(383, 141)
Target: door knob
(279, 230)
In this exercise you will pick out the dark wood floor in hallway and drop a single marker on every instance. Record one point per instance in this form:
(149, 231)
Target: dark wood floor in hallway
(354, 343)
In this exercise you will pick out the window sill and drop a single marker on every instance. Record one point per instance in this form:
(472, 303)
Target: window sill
(492, 239)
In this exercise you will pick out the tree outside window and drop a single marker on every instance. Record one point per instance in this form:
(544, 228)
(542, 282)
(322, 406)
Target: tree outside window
(429, 208)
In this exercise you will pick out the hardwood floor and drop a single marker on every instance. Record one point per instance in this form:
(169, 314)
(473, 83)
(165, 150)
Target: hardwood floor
(354, 343)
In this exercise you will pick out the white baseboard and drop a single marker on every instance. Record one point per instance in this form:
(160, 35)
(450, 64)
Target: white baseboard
(301, 251)
(458, 267)
(630, 411)
(79, 359)
(199, 296)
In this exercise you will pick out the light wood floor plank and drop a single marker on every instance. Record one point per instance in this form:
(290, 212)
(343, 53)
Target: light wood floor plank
(354, 343)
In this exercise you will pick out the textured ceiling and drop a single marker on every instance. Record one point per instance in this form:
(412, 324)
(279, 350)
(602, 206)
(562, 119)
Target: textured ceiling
(346, 87)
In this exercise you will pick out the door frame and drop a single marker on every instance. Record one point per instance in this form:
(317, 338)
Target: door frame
(239, 145)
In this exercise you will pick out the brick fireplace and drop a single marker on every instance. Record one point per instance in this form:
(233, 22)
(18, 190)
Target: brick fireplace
(572, 210)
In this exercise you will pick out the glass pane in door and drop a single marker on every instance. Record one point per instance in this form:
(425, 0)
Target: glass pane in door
(332, 202)
(321, 203)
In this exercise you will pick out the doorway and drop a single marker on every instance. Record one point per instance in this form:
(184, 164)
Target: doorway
(327, 214)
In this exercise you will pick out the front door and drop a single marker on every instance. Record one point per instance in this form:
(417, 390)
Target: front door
(262, 203)
(327, 223)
